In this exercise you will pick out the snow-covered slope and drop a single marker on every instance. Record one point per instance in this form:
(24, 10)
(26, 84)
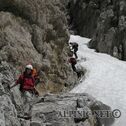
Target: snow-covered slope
(105, 78)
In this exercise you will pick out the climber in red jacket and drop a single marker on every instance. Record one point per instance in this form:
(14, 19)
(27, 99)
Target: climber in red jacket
(26, 80)
(73, 62)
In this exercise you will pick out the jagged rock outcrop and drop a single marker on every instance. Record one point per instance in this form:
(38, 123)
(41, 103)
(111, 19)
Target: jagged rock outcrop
(35, 31)
(53, 110)
(62, 110)
(8, 113)
(103, 21)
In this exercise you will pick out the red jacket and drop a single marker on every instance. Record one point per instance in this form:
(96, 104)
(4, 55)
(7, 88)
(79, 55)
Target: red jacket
(72, 61)
(26, 82)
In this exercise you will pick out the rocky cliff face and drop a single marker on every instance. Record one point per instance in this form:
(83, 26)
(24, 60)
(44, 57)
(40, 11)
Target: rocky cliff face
(103, 21)
(110, 33)
(83, 16)
(35, 31)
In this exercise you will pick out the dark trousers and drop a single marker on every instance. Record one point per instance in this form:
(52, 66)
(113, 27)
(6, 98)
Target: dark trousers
(75, 70)
(75, 53)
(73, 67)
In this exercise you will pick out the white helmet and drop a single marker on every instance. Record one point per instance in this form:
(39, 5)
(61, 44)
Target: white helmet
(29, 67)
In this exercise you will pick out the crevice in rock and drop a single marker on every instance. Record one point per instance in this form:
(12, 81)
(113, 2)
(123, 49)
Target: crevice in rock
(77, 121)
(33, 39)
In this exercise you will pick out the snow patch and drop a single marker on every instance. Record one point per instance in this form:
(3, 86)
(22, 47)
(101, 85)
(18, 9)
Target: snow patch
(105, 78)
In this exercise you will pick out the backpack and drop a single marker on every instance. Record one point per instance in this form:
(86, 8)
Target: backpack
(34, 72)
(35, 75)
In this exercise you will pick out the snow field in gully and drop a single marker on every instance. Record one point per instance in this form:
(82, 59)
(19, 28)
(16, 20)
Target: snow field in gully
(105, 78)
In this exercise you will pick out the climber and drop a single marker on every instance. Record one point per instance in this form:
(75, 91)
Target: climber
(74, 48)
(27, 87)
(27, 81)
(73, 62)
